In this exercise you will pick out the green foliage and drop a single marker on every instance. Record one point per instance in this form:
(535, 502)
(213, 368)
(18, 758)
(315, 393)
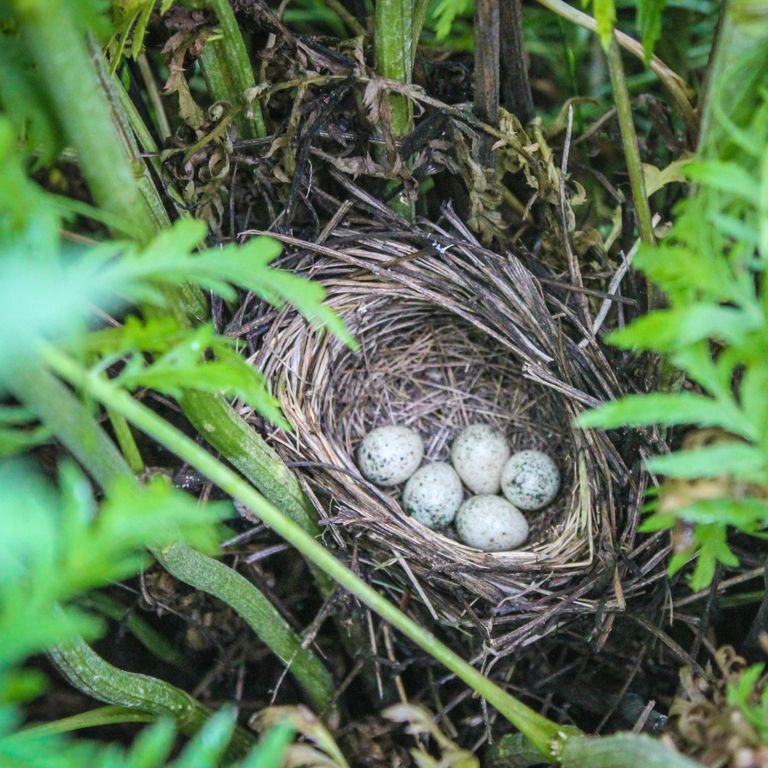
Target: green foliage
(750, 695)
(151, 749)
(58, 546)
(61, 282)
(649, 24)
(444, 13)
(59, 543)
(605, 16)
(715, 331)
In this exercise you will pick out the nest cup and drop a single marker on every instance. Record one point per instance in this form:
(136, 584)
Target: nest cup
(451, 334)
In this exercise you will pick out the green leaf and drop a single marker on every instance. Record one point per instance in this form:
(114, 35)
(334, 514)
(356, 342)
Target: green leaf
(725, 458)
(153, 745)
(445, 13)
(685, 273)
(605, 15)
(747, 514)
(667, 409)
(168, 260)
(657, 522)
(712, 548)
(270, 752)
(726, 177)
(754, 402)
(668, 329)
(56, 546)
(649, 24)
(183, 362)
(208, 746)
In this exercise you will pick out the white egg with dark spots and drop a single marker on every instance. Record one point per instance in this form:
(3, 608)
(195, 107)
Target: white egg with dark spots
(530, 480)
(433, 494)
(491, 523)
(390, 455)
(478, 455)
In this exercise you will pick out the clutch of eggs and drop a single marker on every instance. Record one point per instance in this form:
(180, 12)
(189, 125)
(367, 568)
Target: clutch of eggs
(483, 461)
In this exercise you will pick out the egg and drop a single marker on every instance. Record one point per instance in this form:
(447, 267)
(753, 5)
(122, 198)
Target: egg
(530, 480)
(491, 523)
(390, 455)
(478, 455)
(433, 494)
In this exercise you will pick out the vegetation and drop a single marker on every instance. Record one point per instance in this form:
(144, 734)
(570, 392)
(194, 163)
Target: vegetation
(127, 244)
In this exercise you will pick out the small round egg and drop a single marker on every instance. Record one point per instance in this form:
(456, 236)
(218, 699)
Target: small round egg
(478, 455)
(433, 494)
(491, 523)
(530, 480)
(390, 455)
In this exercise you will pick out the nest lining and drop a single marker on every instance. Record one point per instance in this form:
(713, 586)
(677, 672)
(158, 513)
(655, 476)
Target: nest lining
(447, 338)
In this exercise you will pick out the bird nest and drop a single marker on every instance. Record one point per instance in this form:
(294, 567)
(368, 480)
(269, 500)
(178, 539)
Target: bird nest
(452, 334)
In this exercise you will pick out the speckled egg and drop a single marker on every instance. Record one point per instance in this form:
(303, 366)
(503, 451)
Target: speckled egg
(433, 494)
(530, 480)
(478, 455)
(491, 523)
(390, 455)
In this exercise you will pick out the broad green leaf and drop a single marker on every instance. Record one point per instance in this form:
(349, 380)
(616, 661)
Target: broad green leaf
(724, 458)
(649, 24)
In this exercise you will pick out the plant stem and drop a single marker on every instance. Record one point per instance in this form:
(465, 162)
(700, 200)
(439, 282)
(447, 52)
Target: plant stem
(546, 735)
(234, 75)
(68, 418)
(60, 53)
(394, 56)
(217, 422)
(152, 640)
(126, 442)
(110, 715)
(88, 672)
(394, 61)
(629, 141)
(677, 87)
(163, 126)
(209, 575)
(515, 84)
